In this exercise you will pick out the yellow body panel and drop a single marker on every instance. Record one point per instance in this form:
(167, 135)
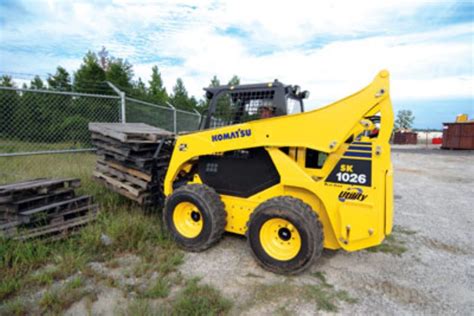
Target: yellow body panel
(354, 216)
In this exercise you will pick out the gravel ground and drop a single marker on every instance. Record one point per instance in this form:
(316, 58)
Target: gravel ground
(434, 198)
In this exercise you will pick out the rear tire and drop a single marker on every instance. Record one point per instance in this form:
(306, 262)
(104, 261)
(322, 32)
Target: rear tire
(285, 235)
(195, 216)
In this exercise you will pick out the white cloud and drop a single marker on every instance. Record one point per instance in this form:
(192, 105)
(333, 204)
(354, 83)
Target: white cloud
(354, 40)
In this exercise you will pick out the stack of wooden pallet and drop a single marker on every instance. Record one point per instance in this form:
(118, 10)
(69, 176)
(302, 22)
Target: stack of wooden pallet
(43, 208)
(132, 159)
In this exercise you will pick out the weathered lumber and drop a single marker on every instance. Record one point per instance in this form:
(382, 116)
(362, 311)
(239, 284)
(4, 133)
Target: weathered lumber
(133, 172)
(117, 183)
(16, 191)
(103, 168)
(139, 199)
(130, 132)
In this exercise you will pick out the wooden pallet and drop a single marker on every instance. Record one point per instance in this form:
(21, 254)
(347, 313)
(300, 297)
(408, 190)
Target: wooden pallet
(16, 191)
(136, 147)
(42, 206)
(55, 209)
(116, 182)
(134, 172)
(53, 230)
(105, 169)
(130, 132)
(140, 199)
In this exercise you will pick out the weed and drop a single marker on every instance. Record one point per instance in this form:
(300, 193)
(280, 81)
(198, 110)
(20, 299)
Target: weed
(60, 298)
(8, 286)
(141, 307)
(169, 261)
(391, 245)
(283, 311)
(319, 275)
(51, 301)
(403, 230)
(75, 283)
(197, 299)
(129, 229)
(253, 275)
(323, 294)
(15, 307)
(159, 289)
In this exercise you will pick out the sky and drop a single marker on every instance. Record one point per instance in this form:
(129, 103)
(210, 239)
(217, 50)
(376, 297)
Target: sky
(331, 48)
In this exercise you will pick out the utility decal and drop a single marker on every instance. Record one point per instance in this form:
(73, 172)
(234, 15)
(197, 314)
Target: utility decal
(352, 171)
(352, 194)
(240, 133)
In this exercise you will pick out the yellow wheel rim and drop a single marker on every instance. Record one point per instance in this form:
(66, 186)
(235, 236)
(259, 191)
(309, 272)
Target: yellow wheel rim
(188, 219)
(280, 239)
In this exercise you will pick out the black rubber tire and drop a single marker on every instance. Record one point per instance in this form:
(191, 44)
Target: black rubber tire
(303, 218)
(212, 209)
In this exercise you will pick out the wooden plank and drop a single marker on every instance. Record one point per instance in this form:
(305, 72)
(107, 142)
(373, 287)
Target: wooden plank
(122, 176)
(133, 172)
(16, 184)
(137, 147)
(139, 199)
(39, 200)
(57, 227)
(124, 185)
(38, 184)
(51, 210)
(130, 132)
(145, 165)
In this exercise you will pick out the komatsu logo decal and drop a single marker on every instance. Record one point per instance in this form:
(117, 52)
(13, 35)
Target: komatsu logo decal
(240, 133)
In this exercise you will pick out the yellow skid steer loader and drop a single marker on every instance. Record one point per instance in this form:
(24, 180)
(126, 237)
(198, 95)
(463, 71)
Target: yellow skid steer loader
(291, 181)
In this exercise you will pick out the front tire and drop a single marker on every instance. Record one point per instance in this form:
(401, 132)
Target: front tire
(195, 216)
(285, 235)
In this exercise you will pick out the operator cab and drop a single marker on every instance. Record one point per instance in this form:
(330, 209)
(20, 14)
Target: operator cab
(230, 105)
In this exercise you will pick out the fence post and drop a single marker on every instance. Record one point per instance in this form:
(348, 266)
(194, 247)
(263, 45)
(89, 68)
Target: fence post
(122, 101)
(175, 126)
(200, 118)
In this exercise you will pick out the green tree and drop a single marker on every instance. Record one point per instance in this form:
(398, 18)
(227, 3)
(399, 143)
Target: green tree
(120, 73)
(203, 105)
(9, 102)
(139, 89)
(214, 82)
(404, 119)
(6, 81)
(60, 107)
(234, 81)
(60, 81)
(157, 92)
(180, 98)
(90, 77)
(37, 83)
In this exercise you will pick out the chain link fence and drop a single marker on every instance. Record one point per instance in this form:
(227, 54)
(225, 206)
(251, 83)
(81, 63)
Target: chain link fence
(43, 121)
(36, 124)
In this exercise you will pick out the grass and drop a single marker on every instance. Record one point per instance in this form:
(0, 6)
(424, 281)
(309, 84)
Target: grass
(402, 230)
(159, 289)
(58, 299)
(15, 307)
(142, 307)
(14, 146)
(196, 299)
(391, 245)
(32, 264)
(193, 299)
(323, 294)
